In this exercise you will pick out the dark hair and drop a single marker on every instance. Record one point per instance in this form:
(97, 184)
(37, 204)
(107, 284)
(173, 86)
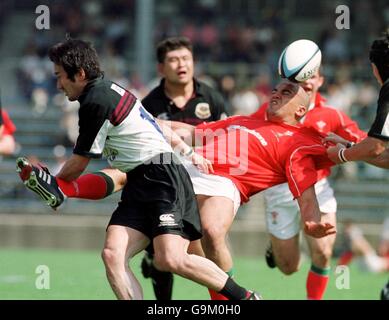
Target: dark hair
(73, 55)
(379, 55)
(171, 44)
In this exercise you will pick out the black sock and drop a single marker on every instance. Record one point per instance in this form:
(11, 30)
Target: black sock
(233, 291)
(108, 180)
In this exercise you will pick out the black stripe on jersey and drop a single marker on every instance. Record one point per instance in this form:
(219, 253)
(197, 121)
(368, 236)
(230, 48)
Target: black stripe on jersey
(123, 108)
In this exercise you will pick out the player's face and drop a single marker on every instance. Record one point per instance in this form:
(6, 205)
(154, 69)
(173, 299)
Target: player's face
(312, 85)
(284, 102)
(178, 66)
(72, 89)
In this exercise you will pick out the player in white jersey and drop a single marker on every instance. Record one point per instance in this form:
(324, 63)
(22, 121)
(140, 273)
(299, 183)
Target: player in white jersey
(157, 204)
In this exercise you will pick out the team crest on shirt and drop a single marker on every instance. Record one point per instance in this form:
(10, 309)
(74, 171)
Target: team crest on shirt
(321, 124)
(203, 110)
(110, 153)
(274, 216)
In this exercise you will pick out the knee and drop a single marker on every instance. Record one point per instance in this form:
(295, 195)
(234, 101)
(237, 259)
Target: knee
(322, 257)
(167, 263)
(289, 267)
(110, 257)
(213, 236)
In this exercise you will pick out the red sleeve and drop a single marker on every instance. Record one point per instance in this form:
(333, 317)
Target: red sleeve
(302, 167)
(348, 129)
(9, 127)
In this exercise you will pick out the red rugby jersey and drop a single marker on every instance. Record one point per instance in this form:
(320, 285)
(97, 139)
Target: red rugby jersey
(257, 154)
(325, 119)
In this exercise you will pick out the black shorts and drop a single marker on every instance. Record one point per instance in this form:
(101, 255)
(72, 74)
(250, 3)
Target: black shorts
(159, 199)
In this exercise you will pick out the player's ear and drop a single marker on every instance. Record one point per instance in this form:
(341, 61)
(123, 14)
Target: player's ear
(81, 75)
(301, 110)
(160, 69)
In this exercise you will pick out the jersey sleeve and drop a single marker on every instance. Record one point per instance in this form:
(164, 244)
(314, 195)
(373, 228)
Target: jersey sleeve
(8, 125)
(219, 112)
(93, 130)
(348, 129)
(380, 127)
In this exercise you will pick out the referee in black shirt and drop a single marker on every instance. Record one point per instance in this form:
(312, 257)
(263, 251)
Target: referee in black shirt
(178, 97)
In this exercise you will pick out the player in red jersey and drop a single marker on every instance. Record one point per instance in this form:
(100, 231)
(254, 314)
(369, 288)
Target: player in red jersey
(282, 212)
(249, 155)
(7, 129)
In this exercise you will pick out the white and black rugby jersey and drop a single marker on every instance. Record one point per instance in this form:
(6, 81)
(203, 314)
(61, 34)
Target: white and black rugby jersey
(113, 123)
(380, 127)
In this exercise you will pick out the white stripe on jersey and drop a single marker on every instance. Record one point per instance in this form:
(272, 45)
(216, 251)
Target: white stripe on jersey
(133, 142)
(385, 128)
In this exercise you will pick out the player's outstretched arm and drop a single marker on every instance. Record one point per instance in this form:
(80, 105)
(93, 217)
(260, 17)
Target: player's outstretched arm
(311, 215)
(182, 147)
(382, 161)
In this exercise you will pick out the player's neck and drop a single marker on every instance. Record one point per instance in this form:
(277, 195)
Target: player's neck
(183, 91)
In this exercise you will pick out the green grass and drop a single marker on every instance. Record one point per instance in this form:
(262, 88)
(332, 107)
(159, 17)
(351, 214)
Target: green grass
(81, 275)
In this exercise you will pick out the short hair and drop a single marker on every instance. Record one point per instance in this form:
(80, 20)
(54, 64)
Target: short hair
(379, 55)
(73, 55)
(171, 44)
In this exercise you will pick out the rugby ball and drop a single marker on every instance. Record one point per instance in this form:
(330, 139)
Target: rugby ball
(299, 60)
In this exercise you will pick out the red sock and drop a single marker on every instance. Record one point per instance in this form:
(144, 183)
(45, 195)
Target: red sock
(345, 258)
(88, 186)
(317, 281)
(216, 295)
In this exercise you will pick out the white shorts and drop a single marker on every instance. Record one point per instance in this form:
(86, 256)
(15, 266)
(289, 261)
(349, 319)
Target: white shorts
(212, 185)
(283, 213)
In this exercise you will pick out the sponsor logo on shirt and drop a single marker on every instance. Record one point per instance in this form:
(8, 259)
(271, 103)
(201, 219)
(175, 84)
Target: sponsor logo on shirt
(283, 134)
(203, 110)
(254, 133)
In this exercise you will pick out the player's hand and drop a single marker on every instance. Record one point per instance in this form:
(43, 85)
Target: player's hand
(333, 153)
(334, 139)
(204, 165)
(318, 230)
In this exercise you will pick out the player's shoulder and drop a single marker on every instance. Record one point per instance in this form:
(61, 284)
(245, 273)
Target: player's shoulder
(99, 91)
(326, 112)
(207, 91)
(156, 94)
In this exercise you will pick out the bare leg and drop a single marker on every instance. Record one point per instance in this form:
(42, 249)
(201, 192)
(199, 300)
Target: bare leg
(119, 178)
(217, 215)
(321, 249)
(286, 254)
(171, 255)
(122, 244)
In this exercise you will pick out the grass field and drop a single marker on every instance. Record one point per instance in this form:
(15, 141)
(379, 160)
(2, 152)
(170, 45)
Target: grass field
(80, 275)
